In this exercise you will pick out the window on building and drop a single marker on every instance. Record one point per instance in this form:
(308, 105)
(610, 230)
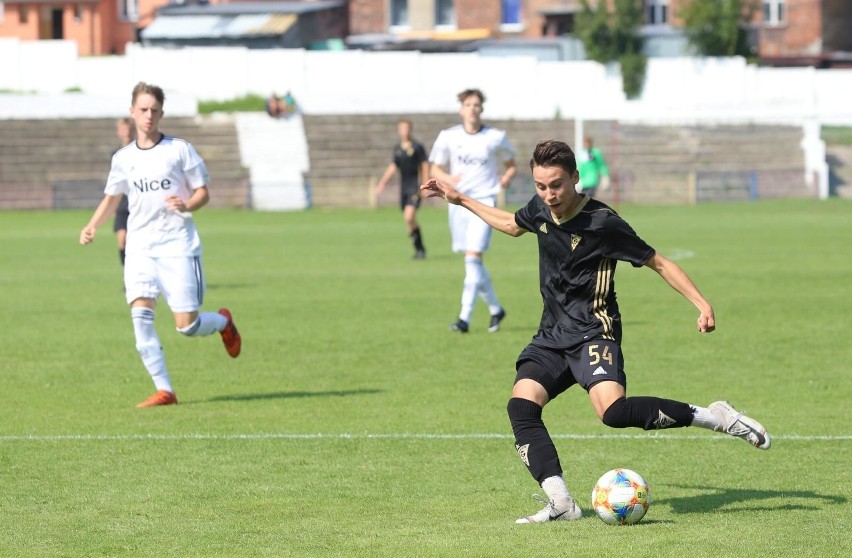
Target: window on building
(399, 13)
(773, 12)
(78, 13)
(445, 13)
(2, 10)
(657, 12)
(511, 12)
(128, 10)
(23, 13)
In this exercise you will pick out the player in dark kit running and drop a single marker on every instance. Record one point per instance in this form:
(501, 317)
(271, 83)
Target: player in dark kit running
(579, 339)
(410, 158)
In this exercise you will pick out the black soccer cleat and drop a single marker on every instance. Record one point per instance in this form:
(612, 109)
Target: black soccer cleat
(460, 326)
(495, 321)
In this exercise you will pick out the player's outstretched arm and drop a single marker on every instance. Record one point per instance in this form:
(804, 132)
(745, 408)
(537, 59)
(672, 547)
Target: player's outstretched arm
(677, 278)
(107, 207)
(497, 218)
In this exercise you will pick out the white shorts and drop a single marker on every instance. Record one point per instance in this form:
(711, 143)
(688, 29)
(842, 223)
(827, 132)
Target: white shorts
(469, 232)
(179, 279)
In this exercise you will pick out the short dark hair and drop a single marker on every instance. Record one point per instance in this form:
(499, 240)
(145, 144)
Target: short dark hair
(554, 153)
(152, 90)
(471, 92)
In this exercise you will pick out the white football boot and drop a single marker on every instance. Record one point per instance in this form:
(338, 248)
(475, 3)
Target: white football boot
(565, 510)
(737, 424)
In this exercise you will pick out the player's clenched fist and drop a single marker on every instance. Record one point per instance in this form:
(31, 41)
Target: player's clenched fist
(87, 235)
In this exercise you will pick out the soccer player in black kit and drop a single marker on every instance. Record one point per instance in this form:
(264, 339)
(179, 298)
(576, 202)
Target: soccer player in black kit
(410, 158)
(579, 339)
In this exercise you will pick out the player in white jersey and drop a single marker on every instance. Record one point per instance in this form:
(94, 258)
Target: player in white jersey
(165, 180)
(469, 156)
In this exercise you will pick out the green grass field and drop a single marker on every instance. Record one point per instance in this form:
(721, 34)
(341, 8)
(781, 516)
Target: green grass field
(356, 424)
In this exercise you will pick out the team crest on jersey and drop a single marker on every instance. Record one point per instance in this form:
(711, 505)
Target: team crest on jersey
(543, 228)
(522, 451)
(575, 240)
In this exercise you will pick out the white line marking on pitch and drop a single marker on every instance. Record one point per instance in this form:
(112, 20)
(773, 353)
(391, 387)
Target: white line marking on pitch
(368, 436)
(681, 254)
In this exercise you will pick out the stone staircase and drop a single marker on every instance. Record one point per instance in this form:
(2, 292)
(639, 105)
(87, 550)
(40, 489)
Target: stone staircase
(649, 164)
(63, 164)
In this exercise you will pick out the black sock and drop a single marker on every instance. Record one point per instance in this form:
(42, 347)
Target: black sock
(417, 239)
(121, 256)
(648, 413)
(532, 441)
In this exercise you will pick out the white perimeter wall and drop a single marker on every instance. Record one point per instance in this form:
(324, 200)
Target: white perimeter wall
(680, 90)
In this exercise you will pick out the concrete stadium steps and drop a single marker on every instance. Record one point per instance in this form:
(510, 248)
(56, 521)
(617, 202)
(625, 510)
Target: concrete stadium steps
(25, 195)
(42, 163)
(54, 164)
(349, 153)
(654, 164)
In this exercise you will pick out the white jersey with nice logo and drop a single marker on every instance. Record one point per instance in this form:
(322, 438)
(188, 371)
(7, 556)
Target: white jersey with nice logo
(148, 176)
(476, 157)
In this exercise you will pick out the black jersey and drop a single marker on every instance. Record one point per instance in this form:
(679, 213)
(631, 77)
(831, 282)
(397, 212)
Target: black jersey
(408, 161)
(577, 258)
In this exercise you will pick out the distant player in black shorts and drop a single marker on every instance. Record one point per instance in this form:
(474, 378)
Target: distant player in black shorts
(410, 158)
(124, 131)
(579, 338)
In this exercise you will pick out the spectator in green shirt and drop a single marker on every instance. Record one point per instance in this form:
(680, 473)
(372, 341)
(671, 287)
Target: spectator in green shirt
(592, 167)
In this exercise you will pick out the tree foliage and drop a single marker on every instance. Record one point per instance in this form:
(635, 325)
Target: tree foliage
(717, 27)
(615, 38)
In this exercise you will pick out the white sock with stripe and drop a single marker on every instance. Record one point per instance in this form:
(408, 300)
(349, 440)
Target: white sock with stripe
(149, 347)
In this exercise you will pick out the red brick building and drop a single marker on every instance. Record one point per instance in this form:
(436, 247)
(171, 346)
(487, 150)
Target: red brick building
(806, 32)
(98, 26)
(788, 32)
(436, 18)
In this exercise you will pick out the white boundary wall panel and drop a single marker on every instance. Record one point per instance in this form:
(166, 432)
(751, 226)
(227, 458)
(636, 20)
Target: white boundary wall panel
(677, 90)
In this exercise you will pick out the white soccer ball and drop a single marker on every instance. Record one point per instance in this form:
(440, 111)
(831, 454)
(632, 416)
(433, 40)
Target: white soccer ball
(621, 497)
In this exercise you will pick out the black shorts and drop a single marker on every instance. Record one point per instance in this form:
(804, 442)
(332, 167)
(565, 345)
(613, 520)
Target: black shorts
(121, 215)
(409, 197)
(585, 364)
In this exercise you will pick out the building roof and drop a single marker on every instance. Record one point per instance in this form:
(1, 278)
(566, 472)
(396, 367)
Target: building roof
(241, 8)
(218, 26)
